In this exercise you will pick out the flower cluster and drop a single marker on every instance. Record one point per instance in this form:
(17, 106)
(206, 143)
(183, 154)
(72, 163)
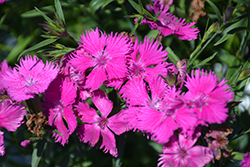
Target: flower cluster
(138, 71)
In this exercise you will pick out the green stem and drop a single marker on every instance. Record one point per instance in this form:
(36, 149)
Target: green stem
(199, 50)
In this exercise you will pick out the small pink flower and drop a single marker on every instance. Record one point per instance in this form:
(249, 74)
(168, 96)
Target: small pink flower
(96, 125)
(105, 54)
(246, 160)
(208, 96)
(30, 78)
(181, 152)
(160, 5)
(25, 143)
(169, 24)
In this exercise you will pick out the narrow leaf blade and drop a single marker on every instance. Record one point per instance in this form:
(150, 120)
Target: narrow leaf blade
(216, 10)
(59, 10)
(44, 15)
(172, 56)
(37, 46)
(224, 38)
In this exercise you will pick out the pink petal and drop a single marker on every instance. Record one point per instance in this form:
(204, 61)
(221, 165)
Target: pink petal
(108, 142)
(2, 148)
(68, 93)
(118, 123)
(96, 78)
(85, 113)
(91, 134)
(104, 105)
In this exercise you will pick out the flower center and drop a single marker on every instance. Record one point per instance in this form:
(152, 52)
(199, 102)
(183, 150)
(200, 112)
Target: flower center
(101, 59)
(30, 82)
(137, 70)
(103, 123)
(201, 101)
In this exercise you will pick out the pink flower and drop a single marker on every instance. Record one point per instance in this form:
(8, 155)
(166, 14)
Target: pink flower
(59, 98)
(182, 153)
(105, 54)
(159, 114)
(169, 24)
(67, 69)
(246, 160)
(11, 116)
(3, 69)
(147, 62)
(208, 96)
(96, 125)
(2, 148)
(160, 5)
(30, 78)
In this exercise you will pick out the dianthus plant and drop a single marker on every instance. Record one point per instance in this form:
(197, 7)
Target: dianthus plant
(112, 83)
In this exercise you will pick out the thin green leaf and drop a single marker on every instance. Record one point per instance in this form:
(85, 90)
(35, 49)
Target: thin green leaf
(141, 7)
(2, 19)
(137, 24)
(205, 61)
(237, 29)
(37, 46)
(22, 43)
(59, 10)
(172, 56)
(198, 51)
(44, 15)
(96, 4)
(37, 152)
(135, 6)
(223, 39)
(35, 13)
(233, 77)
(107, 2)
(216, 10)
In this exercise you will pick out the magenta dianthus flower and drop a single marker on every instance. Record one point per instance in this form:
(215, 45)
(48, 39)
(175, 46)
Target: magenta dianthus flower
(147, 62)
(30, 78)
(181, 152)
(159, 114)
(59, 98)
(208, 96)
(169, 24)
(11, 116)
(96, 125)
(160, 5)
(106, 54)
